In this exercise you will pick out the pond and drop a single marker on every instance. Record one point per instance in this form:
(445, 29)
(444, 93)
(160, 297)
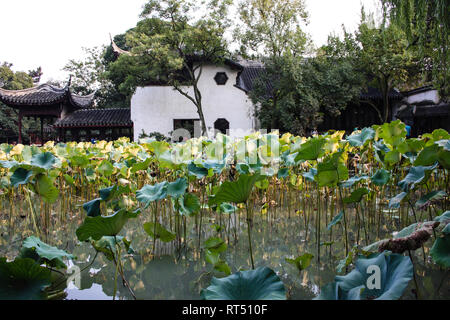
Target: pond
(180, 271)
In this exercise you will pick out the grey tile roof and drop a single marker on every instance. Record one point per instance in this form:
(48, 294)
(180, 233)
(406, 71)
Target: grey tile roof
(44, 94)
(112, 117)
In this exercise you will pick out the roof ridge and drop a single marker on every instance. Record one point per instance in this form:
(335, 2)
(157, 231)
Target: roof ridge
(31, 89)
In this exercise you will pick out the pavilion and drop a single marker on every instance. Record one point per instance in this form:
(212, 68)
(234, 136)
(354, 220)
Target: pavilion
(72, 115)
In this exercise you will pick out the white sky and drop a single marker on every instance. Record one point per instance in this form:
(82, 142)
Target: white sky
(48, 33)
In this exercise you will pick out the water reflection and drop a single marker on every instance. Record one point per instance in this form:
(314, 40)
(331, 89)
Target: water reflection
(176, 273)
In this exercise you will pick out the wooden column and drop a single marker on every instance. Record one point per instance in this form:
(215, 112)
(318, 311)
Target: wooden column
(42, 131)
(20, 126)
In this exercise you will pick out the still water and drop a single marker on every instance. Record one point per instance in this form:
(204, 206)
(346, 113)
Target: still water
(181, 272)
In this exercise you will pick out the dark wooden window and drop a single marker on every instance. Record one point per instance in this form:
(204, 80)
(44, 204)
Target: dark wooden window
(188, 124)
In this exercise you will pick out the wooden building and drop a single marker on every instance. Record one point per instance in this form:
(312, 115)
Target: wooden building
(69, 117)
(98, 124)
(360, 114)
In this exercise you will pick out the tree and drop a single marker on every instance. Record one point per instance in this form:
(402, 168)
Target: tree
(292, 90)
(11, 80)
(89, 75)
(384, 57)
(305, 88)
(272, 28)
(36, 74)
(427, 25)
(171, 46)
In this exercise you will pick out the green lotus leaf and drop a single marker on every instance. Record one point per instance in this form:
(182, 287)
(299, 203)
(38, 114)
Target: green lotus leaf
(236, 191)
(69, 179)
(428, 156)
(350, 182)
(443, 217)
(243, 168)
(189, 204)
(302, 262)
(41, 252)
(159, 147)
(310, 174)
(311, 149)
(92, 207)
(429, 197)
(107, 245)
(262, 184)
(23, 279)
(222, 266)
(413, 146)
(215, 244)
(227, 208)
(394, 202)
(259, 284)
(446, 230)
(139, 166)
(440, 252)
(79, 160)
(337, 219)
(216, 165)
(392, 157)
(197, 171)
(436, 135)
(381, 177)
(150, 193)
(392, 133)
(358, 139)
(212, 257)
(416, 176)
(395, 271)
(177, 188)
(283, 173)
(444, 159)
(109, 193)
(46, 189)
(105, 168)
(157, 231)
(332, 170)
(20, 176)
(356, 196)
(44, 160)
(8, 164)
(97, 227)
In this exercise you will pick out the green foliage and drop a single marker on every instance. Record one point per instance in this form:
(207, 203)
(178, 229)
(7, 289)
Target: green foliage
(157, 231)
(359, 139)
(301, 262)
(99, 226)
(236, 191)
(440, 252)
(337, 219)
(259, 284)
(426, 26)
(11, 80)
(381, 177)
(41, 252)
(332, 170)
(356, 195)
(150, 193)
(396, 272)
(23, 279)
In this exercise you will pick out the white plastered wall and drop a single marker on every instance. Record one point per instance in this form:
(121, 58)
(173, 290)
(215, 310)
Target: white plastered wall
(153, 108)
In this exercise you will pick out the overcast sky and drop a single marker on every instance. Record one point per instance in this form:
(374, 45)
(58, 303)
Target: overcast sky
(48, 33)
